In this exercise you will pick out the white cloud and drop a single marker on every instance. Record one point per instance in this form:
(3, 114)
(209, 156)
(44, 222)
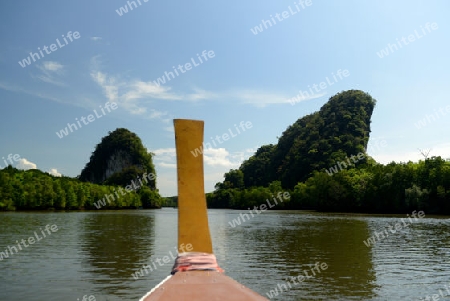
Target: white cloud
(218, 157)
(54, 172)
(157, 114)
(167, 165)
(134, 94)
(165, 157)
(165, 151)
(201, 94)
(260, 98)
(217, 162)
(96, 38)
(25, 164)
(50, 70)
(52, 66)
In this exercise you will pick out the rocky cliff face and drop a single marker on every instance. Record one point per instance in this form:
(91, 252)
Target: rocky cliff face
(338, 130)
(117, 162)
(119, 158)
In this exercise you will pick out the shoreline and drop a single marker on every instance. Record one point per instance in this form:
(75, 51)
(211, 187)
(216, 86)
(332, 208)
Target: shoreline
(362, 214)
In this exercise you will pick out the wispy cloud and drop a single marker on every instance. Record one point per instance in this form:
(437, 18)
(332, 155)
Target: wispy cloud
(14, 88)
(165, 157)
(52, 66)
(133, 95)
(49, 71)
(260, 98)
(96, 38)
(201, 94)
(164, 153)
(167, 165)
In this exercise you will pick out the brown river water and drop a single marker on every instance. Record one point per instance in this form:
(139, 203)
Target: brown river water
(289, 255)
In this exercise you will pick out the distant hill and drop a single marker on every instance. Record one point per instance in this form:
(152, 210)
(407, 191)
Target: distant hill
(337, 131)
(118, 159)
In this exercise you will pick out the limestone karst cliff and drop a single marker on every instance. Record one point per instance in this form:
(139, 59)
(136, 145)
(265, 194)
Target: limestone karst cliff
(119, 158)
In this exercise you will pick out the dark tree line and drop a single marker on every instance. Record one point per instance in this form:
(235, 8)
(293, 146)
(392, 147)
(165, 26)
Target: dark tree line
(370, 188)
(315, 143)
(36, 190)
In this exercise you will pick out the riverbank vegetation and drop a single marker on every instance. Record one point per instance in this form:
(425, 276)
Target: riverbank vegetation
(322, 161)
(119, 175)
(371, 188)
(36, 190)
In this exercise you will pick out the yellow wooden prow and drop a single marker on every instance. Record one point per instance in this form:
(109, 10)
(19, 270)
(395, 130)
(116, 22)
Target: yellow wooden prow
(193, 229)
(195, 276)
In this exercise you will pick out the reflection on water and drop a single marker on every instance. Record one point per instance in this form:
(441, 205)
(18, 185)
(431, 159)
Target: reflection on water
(294, 243)
(115, 245)
(95, 253)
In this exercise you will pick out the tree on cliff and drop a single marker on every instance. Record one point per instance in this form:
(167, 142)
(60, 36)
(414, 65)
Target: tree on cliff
(338, 130)
(118, 159)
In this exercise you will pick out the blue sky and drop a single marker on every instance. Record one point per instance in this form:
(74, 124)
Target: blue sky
(250, 77)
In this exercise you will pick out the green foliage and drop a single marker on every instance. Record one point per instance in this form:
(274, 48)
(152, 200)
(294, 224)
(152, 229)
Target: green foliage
(171, 201)
(338, 130)
(376, 188)
(150, 198)
(257, 170)
(233, 179)
(244, 198)
(35, 190)
(130, 147)
(316, 142)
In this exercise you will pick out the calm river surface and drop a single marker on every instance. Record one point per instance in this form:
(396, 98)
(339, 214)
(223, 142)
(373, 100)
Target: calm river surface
(96, 253)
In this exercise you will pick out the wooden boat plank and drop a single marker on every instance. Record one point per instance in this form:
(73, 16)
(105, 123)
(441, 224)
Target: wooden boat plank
(202, 286)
